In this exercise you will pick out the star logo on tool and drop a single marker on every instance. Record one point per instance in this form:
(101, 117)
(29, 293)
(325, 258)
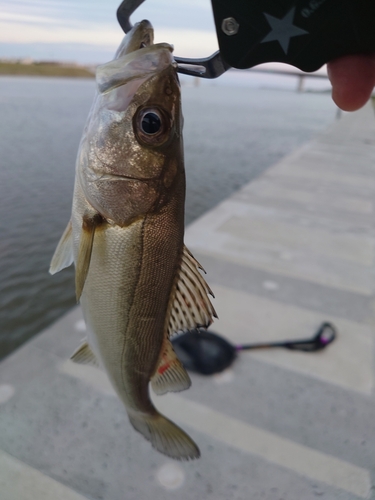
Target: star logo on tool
(283, 30)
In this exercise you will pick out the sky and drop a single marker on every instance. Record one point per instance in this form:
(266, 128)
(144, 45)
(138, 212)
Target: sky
(87, 31)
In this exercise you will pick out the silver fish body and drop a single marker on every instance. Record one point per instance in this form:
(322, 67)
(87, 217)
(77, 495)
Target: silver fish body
(136, 281)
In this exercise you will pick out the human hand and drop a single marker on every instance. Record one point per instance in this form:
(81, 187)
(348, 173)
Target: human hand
(353, 79)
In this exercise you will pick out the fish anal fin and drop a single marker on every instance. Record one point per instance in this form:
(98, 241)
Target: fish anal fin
(170, 375)
(189, 305)
(89, 225)
(63, 256)
(84, 356)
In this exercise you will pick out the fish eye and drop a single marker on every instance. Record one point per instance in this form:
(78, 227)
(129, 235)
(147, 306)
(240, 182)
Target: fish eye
(151, 123)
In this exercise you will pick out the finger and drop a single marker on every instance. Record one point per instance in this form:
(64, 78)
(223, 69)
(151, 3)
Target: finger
(353, 79)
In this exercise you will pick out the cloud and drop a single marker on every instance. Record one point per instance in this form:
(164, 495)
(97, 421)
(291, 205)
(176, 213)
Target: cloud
(81, 23)
(53, 33)
(16, 17)
(188, 43)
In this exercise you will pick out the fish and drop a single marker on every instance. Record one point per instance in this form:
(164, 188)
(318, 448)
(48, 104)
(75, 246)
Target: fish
(136, 281)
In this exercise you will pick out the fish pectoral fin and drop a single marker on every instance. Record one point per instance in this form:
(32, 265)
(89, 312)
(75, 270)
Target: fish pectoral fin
(84, 356)
(190, 306)
(63, 256)
(89, 225)
(170, 375)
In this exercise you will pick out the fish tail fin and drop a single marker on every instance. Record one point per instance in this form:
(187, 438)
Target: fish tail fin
(165, 436)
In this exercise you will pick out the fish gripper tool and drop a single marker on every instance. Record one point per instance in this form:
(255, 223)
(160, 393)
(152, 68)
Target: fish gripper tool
(303, 33)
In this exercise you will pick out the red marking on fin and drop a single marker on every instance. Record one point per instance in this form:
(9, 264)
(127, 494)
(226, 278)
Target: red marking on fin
(163, 368)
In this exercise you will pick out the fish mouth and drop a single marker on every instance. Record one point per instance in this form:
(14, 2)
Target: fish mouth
(118, 177)
(96, 176)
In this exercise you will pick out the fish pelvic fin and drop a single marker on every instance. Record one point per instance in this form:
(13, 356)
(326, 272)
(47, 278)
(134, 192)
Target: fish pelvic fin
(190, 306)
(89, 225)
(85, 356)
(63, 256)
(165, 436)
(170, 375)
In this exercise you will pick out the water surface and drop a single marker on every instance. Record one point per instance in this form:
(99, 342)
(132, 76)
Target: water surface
(231, 136)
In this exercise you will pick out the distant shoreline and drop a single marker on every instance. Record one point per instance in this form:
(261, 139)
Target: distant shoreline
(44, 69)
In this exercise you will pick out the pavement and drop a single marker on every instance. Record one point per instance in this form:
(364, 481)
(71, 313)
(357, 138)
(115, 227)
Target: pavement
(288, 251)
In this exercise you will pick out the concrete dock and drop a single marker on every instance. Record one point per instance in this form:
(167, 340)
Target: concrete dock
(290, 250)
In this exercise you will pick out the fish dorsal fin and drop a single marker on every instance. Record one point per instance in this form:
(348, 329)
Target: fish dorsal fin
(189, 306)
(170, 375)
(84, 356)
(63, 256)
(89, 225)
